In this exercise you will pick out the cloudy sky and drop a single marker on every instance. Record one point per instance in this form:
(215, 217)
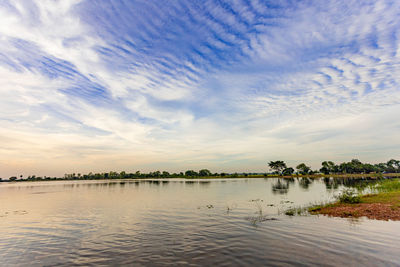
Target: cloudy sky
(172, 85)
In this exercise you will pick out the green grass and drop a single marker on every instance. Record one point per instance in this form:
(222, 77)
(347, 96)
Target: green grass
(382, 197)
(388, 185)
(384, 192)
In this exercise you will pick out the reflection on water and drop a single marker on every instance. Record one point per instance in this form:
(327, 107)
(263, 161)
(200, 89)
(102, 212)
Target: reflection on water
(281, 186)
(305, 182)
(178, 222)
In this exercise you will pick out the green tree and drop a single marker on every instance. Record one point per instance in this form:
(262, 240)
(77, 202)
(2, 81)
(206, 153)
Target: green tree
(204, 172)
(12, 178)
(327, 167)
(303, 169)
(368, 168)
(288, 171)
(278, 166)
(190, 173)
(393, 165)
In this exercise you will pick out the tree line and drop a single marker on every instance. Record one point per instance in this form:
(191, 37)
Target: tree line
(126, 175)
(329, 167)
(278, 167)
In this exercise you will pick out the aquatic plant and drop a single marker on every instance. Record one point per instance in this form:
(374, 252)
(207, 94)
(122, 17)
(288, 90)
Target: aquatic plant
(258, 219)
(290, 212)
(258, 205)
(349, 196)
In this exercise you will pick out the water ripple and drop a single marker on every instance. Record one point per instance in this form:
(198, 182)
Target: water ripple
(151, 224)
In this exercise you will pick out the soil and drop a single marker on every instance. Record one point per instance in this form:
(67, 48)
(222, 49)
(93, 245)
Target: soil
(377, 211)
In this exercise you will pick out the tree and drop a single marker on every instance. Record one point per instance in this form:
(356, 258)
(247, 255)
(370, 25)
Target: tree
(393, 165)
(13, 178)
(204, 172)
(278, 166)
(288, 171)
(327, 167)
(303, 168)
(165, 174)
(356, 165)
(190, 173)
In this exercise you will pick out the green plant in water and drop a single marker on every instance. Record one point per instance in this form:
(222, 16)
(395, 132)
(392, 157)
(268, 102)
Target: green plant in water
(259, 206)
(290, 212)
(349, 196)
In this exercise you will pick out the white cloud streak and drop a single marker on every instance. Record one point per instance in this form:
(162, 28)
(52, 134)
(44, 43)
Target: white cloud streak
(251, 84)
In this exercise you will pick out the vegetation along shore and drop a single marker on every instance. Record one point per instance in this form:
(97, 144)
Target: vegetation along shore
(381, 203)
(354, 169)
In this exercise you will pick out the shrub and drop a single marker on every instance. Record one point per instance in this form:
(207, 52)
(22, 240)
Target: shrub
(349, 196)
(290, 212)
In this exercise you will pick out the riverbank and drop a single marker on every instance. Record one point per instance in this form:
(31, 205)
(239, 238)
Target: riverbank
(382, 205)
(226, 176)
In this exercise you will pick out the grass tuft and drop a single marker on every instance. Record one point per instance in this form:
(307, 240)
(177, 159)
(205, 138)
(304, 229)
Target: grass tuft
(349, 196)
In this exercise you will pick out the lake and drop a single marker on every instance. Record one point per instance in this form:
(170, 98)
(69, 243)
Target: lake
(225, 222)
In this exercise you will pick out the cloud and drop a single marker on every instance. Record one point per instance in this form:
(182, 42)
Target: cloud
(141, 84)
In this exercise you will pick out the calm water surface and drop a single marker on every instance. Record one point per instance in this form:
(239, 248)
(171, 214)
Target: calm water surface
(176, 222)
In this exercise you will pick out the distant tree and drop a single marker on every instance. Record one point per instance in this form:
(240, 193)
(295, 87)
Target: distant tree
(165, 174)
(327, 167)
(368, 168)
(354, 166)
(190, 173)
(288, 171)
(204, 172)
(113, 175)
(311, 172)
(12, 178)
(393, 165)
(278, 166)
(303, 168)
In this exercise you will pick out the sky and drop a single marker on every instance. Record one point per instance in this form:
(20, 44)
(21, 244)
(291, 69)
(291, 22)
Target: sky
(97, 85)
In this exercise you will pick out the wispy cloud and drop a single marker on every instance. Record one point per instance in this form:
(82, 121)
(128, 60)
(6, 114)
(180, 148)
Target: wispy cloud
(99, 85)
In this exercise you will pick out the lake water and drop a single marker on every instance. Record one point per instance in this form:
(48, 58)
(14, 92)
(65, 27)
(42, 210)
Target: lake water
(178, 222)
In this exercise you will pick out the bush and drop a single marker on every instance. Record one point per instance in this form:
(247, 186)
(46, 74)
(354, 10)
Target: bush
(349, 196)
(290, 212)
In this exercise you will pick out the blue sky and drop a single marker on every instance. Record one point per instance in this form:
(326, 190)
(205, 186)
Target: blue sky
(173, 85)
